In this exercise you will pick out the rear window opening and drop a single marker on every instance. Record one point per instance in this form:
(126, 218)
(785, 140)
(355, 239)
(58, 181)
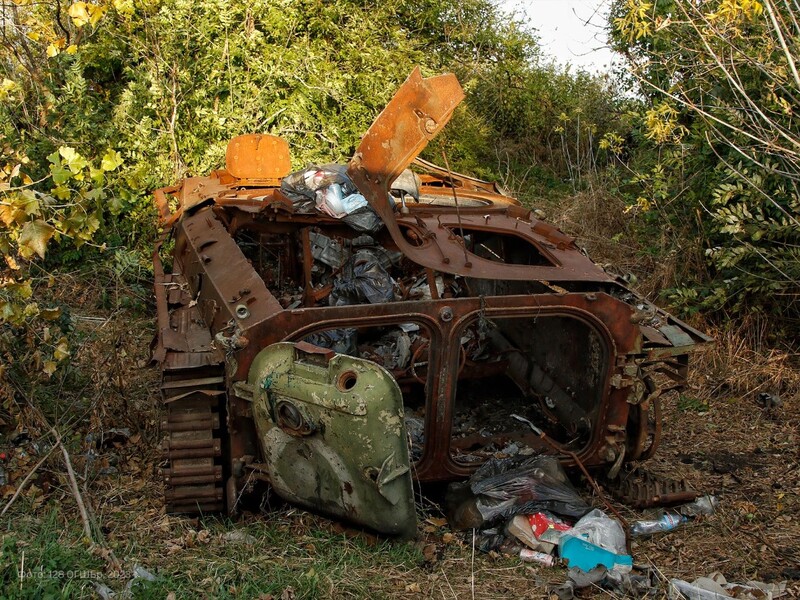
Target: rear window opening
(547, 370)
(505, 248)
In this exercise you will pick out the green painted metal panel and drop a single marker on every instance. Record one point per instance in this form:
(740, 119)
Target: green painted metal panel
(332, 432)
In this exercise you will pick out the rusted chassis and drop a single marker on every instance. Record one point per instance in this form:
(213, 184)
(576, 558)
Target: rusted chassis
(243, 318)
(217, 314)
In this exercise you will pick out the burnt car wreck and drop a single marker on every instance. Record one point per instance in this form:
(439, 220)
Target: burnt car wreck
(335, 342)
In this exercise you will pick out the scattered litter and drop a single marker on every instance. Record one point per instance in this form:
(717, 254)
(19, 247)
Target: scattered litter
(490, 540)
(105, 592)
(363, 280)
(548, 527)
(301, 186)
(327, 250)
(415, 430)
(544, 558)
(704, 505)
(334, 203)
(503, 488)
(520, 527)
(20, 437)
(596, 540)
(392, 350)
(341, 341)
(140, 572)
(716, 587)
(769, 401)
(329, 190)
(667, 522)
(109, 438)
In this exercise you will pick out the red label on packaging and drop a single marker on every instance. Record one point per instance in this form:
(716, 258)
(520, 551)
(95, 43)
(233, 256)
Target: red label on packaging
(541, 523)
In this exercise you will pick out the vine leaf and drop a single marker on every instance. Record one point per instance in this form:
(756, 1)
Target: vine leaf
(34, 237)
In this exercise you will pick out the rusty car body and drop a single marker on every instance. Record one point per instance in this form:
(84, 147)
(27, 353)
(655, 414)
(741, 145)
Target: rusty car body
(278, 368)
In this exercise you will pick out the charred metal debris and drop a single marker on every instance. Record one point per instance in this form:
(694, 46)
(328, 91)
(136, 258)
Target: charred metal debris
(338, 331)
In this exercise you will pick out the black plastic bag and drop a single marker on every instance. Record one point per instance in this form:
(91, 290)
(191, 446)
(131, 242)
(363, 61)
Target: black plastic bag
(363, 281)
(503, 488)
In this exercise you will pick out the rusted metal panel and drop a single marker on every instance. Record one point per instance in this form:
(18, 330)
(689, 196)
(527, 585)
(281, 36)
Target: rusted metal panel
(259, 158)
(331, 430)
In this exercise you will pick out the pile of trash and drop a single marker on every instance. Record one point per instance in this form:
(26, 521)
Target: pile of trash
(527, 507)
(329, 190)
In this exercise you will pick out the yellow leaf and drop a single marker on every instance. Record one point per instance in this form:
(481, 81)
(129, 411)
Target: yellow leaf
(111, 160)
(6, 87)
(49, 367)
(72, 49)
(34, 35)
(12, 263)
(51, 314)
(72, 160)
(52, 51)
(10, 215)
(62, 350)
(79, 14)
(21, 290)
(124, 7)
(34, 237)
(96, 13)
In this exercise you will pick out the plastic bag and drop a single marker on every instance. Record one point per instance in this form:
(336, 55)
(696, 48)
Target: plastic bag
(364, 219)
(303, 185)
(597, 528)
(415, 430)
(504, 488)
(596, 540)
(392, 350)
(332, 201)
(362, 280)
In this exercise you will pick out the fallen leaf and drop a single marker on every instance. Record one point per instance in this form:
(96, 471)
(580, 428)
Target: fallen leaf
(429, 552)
(288, 594)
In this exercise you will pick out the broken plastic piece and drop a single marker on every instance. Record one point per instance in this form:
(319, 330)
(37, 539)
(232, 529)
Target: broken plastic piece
(586, 556)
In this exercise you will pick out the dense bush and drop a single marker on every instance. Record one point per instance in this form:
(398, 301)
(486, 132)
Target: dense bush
(717, 148)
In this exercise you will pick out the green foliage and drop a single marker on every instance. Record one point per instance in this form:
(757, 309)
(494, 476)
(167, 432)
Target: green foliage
(104, 101)
(691, 404)
(716, 161)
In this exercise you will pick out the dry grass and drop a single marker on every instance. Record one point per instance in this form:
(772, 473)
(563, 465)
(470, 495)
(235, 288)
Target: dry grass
(716, 437)
(601, 223)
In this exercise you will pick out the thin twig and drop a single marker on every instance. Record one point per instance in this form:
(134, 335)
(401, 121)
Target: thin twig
(87, 526)
(472, 566)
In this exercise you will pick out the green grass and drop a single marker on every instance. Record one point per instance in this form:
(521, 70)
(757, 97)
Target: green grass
(313, 563)
(278, 554)
(691, 404)
(45, 557)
